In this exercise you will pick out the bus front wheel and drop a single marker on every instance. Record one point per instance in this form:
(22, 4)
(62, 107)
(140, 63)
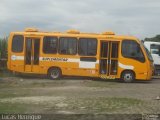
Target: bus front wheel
(128, 76)
(54, 73)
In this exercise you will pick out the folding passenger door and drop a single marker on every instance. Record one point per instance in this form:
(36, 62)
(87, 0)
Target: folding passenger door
(109, 59)
(32, 50)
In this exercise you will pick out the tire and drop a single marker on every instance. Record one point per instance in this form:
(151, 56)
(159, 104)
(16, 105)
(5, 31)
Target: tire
(128, 76)
(54, 73)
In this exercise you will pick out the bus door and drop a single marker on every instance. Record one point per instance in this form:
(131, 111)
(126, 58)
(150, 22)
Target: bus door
(109, 59)
(32, 49)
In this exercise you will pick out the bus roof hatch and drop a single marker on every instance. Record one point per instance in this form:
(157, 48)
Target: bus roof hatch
(31, 30)
(108, 33)
(73, 31)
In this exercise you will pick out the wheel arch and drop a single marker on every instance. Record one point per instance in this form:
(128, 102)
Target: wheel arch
(126, 70)
(52, 67)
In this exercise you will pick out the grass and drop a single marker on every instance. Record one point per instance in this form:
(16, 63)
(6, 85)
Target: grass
(102, 104)
(101, 83)
(18, 108)
(19, 87)
(79, 105)
(5, 73)
(39, 95)
(20, 82)
(12, 108)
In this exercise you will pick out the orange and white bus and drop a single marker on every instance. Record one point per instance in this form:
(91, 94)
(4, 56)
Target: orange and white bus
(73, 53)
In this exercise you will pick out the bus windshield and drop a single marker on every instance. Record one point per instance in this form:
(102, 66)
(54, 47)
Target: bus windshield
(147, 52)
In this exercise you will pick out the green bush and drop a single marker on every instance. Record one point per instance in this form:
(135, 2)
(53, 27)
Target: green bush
(3, 48)
(3, 53)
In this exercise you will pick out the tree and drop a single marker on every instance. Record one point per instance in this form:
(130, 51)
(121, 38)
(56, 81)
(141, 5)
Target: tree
(3, 48)
(154, 39)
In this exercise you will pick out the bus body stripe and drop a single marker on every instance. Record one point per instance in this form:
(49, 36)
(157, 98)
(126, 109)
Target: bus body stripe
(14, 57)
(82, 64)
(130, 67)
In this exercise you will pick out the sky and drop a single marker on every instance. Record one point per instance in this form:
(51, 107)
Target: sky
(140, 18)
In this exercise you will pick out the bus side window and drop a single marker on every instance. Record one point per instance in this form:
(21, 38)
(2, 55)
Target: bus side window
(68, 45)
(50, 45)
(131, 49)
(87, 47)
(17, 43)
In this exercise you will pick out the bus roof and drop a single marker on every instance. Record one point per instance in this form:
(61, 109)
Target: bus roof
(74, 33)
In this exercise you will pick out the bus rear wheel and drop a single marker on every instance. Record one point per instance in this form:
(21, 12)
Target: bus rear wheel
(54, 73)
(128, 76)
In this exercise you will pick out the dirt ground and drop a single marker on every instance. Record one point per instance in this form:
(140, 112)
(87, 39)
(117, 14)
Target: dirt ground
(73, 95)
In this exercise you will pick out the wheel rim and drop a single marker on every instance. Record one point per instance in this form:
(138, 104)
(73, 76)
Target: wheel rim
(54, 73)
(128, 77)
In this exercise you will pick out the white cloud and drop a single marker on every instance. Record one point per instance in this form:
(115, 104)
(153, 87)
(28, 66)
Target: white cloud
(130, 17)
